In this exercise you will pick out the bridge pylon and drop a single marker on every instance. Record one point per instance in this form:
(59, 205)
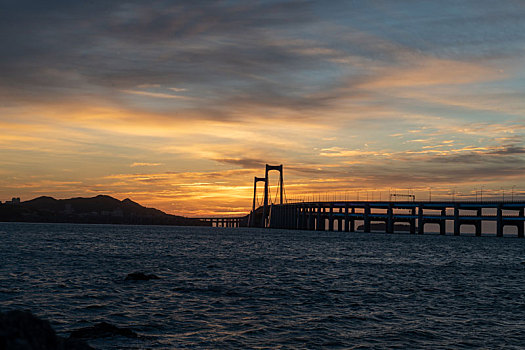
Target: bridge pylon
(269, 168)
(252, 214)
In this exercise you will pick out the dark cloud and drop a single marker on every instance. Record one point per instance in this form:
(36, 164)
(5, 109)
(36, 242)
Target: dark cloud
(509, 150)
(466, 30)
(74, 48)
(421, 174)
(245, 54)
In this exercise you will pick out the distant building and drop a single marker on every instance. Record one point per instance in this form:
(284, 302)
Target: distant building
(13, 201)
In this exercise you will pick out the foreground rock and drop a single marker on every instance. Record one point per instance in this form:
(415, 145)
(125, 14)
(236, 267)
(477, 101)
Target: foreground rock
(102, 330)
(22, 330)
(139, 276)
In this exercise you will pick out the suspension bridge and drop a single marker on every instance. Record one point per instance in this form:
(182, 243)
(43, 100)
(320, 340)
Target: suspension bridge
(408, 215)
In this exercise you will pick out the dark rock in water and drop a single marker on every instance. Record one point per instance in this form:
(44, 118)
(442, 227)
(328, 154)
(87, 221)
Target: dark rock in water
(102, 330)
(139, 276)
(22, 330)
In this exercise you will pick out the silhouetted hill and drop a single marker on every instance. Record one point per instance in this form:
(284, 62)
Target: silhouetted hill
(100, 210)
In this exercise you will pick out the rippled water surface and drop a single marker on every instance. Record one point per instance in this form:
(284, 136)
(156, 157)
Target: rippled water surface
(252, 288)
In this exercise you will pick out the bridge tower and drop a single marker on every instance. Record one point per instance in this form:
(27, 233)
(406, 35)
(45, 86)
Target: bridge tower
(279, 168)
(252, 214)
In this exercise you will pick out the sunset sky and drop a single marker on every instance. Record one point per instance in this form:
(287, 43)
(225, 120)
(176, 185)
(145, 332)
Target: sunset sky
(179, 104)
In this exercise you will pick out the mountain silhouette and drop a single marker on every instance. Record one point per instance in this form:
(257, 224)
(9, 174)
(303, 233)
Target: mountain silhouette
(96, 210)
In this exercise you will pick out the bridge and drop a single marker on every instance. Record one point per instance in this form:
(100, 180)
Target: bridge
(343, 216)
(387, 216)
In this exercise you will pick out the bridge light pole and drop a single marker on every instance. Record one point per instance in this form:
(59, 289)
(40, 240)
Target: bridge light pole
(481, 194)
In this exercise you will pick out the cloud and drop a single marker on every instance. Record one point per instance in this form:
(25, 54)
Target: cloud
(138, 164)
(156, 94)
(352, 95)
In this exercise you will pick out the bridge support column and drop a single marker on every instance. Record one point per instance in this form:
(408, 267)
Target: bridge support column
(499, 221)
(295, 217)
(443, 222)
(302, 216)
(390, 220)
(457, 223)
(331, 218)
(312, 217)
(272, 218)
(478, 222)
(413, 221)
(320, 218)
(352, 221)
(520, 224)
(347, 226)
(342, 223)
(285, 216)
(282, 215)
(367, 218)
(306, 218)
(420, 220)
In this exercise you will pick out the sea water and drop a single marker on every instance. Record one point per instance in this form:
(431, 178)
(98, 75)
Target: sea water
(256, 288)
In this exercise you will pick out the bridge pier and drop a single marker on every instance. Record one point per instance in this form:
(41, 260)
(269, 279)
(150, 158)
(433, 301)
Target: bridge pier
(352, 222)
(297, 219)
(302, 217)
(443, 222)
(499, 221)
(478, 222)
(347, 228)
(457, 223)
(520, 224)
(308, 217)
(313, 217)
(342, 225)
(331, 218)
(420, 221)
(318, 225)
(390, 220)
(412, 221)
(367, 218)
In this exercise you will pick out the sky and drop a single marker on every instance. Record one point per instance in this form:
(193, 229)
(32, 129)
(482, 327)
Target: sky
(179, 104)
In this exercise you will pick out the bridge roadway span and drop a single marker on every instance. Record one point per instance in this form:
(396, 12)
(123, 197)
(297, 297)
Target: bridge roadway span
(325, 215)
(225, 221)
